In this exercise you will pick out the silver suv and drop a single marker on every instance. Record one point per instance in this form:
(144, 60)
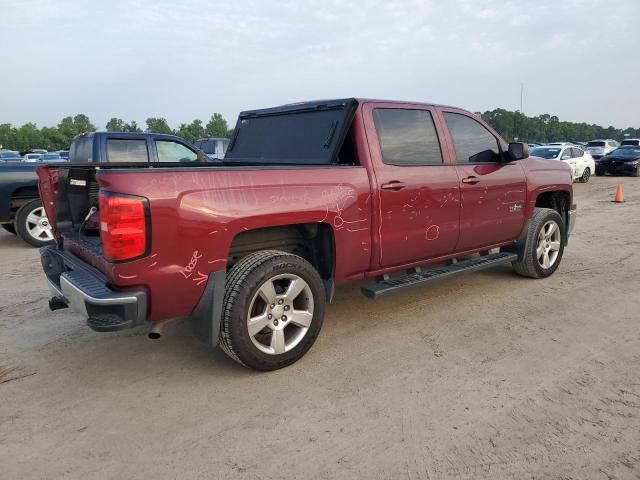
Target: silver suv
(599, 148)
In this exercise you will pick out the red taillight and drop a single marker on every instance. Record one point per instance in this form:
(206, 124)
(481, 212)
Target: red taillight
(123, 226)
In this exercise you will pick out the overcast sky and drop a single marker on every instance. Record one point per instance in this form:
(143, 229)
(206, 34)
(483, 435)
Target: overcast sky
(182, 60)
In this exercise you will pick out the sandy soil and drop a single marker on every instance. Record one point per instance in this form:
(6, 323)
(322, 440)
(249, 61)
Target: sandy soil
(486, 376)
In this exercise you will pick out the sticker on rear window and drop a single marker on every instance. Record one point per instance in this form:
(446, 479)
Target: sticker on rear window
(79, 183)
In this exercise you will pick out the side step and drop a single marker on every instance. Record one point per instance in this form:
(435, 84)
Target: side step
(420, 277)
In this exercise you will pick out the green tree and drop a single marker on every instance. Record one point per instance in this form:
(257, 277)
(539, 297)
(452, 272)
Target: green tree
(132, 127)
(158, 125)
(7, 136)
(217, 126)
(192, 131)
(115, 125)
(69, 127)
(27, 137)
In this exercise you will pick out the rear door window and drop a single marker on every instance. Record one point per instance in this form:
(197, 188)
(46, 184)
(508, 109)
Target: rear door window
(472, 141)
(127, 150)
(407, 137)
(170, 151)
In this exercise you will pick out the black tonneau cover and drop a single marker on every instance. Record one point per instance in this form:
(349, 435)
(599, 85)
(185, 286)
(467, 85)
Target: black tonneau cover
(305, 133)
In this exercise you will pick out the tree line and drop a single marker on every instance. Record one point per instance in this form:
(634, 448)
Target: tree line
(29, 136)
(512, 126)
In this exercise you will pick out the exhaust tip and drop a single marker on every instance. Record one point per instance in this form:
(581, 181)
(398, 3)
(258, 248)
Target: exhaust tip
(154, 335)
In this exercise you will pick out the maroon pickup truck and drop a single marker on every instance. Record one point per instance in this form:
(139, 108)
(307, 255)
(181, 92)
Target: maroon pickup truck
(308, 196)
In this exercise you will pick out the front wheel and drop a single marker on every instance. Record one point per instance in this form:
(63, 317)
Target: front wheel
(273, 310)
(544, 245)
(32, 224)
(585, 175)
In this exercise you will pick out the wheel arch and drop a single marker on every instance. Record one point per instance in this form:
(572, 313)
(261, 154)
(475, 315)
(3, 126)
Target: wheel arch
(314, 241)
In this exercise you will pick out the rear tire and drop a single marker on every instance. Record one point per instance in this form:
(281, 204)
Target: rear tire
(273, 310)
(544, 245)
(637, 172)
(585, 175)
(32, 225)
(9, 228)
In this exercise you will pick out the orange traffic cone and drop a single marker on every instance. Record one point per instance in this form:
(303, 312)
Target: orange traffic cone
(619, 198)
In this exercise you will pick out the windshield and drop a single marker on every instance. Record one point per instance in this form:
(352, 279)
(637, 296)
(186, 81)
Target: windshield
(626, 152)
(50, 156)
(9, 155)
(545, 152)
(631, 142)
(595, 144)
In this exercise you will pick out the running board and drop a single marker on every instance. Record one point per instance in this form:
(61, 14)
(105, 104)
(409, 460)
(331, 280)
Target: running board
(419, 277)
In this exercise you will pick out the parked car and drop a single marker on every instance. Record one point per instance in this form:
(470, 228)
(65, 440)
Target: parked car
(215, 148)
(600, 148)
(39, 150)
(581, 162)
(20, 206)
(634, 142)
(310, 195)
(51, 158)
(624, 160)
(10, 156)
(63, 154)
(32, 157)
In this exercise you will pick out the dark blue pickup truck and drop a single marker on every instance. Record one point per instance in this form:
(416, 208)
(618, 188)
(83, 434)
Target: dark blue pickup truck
(21, 211)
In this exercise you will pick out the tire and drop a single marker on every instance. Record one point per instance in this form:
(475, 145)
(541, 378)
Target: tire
(9, 228)
(542, 242)
(256, 289)
(32, 225)
(637, 172)
(586, 174)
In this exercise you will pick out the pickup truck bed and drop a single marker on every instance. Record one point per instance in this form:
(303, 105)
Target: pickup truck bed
(251, 250)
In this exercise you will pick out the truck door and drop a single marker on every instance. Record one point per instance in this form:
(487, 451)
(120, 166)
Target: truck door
(492, 190)
(419, 194)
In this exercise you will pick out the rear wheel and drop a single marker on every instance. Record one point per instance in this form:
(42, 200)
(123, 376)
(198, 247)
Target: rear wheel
(637, 172)
(273, 310)
(544, 245)
(9, 228)
(32, 224)
(585, 175)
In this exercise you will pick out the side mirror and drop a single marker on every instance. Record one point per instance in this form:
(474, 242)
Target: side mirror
(518, 151)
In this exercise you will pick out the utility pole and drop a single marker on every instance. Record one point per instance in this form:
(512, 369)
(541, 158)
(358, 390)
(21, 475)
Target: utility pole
(521, 112)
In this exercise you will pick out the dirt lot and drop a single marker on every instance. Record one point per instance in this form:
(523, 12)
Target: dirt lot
(487, 376)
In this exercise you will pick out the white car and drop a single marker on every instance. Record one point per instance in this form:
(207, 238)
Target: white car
(32, 157)
(634, 142)
(600, 148)
(581, 162)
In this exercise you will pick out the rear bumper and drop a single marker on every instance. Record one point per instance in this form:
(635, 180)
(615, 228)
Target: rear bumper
(75, 284)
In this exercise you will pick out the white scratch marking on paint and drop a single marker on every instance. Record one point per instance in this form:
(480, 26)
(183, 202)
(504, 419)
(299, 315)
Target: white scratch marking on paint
(127, 277)
(432, 233)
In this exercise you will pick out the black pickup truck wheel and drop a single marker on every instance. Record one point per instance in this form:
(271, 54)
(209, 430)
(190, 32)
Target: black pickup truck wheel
(544, 245)
(273, 310)
(32, 225)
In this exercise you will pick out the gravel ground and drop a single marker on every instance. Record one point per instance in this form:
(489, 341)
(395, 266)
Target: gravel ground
(486, 376)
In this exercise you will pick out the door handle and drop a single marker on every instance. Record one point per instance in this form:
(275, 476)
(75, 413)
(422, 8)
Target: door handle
(471, 180)
(393, 185)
